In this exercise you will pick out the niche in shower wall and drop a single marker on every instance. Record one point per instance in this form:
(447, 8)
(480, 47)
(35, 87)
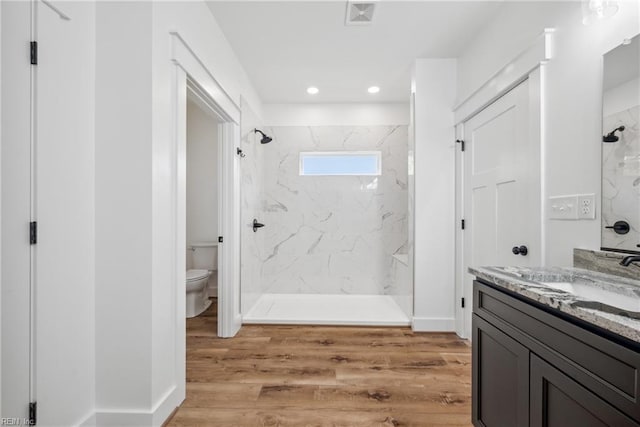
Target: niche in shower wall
(333, 234)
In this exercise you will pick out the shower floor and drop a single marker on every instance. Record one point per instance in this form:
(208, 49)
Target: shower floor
(312, 309)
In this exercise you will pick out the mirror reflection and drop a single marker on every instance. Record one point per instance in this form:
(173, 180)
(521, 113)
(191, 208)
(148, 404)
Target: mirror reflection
(621, 148)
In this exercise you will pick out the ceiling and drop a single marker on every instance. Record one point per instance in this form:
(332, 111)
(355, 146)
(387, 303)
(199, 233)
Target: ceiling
(622, 64)
(287, 46)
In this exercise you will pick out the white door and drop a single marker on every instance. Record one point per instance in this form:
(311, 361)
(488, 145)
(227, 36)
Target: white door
(64, 208)
(16, 210)
(500, 198)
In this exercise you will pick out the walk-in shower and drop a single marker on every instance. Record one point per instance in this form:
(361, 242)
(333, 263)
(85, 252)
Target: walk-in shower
(333, 248)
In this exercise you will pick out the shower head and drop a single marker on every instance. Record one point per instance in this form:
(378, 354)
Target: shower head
(611, 136)
(265, 139)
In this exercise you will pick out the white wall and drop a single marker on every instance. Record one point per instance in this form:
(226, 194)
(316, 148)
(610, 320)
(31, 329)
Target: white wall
(572, 99)
(434, 89)
(140, 373)
(202, 176)
(336, 114)
(123, 209)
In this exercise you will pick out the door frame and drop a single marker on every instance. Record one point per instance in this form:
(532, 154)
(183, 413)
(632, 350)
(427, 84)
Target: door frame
(191, 76)
(528, 65)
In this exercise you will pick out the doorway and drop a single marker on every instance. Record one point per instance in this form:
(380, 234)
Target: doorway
(228, 212)
(202, 206)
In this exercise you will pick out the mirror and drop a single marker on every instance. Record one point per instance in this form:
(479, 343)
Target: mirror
(621, 148)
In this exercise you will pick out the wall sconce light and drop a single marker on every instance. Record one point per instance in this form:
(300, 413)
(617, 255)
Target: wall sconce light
(597, 10)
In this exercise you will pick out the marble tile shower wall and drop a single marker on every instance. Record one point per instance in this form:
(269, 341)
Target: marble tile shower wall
(333, 234)
(252, 189)
(621, 180)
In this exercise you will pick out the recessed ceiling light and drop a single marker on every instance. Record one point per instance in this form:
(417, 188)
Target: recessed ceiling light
(312, 90)
(373, 89)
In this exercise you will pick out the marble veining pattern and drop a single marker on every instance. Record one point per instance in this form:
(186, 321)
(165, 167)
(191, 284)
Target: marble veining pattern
(526, 282)
(333, 234)
(621, 180)
(252, 189)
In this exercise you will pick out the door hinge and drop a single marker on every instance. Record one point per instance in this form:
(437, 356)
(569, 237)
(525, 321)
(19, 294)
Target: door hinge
(461, 142)
(462, 224)
(33, 232)
(462, 303)
(34, 53)
(220, 239)
(33, 412)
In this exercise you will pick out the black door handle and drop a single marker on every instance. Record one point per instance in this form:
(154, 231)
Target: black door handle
(520, 250)
(620, 227)
(256, 225)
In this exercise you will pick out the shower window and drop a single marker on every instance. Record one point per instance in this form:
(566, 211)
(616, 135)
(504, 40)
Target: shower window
(317, 163)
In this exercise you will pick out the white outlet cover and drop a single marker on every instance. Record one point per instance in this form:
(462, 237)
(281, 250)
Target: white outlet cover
(587, 203)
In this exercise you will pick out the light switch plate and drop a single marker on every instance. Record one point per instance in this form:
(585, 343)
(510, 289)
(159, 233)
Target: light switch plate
(563, 207)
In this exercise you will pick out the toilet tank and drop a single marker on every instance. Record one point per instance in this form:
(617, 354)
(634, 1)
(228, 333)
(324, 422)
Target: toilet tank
(205, 255)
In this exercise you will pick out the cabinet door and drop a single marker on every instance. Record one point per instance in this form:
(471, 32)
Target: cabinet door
(558, 401)
(500, 378)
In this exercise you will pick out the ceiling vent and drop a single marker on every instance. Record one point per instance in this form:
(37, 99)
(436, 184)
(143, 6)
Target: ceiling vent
(360, 12)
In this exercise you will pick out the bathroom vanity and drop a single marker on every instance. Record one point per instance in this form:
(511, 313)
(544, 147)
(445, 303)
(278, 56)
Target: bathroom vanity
(555, 347)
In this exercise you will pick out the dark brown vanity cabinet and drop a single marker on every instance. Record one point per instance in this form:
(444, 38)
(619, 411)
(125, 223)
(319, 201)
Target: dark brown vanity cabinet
(503, 369)
(558, 401)
(533, 367)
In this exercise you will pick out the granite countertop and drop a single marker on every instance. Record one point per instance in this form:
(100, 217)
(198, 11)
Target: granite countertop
(525, 281)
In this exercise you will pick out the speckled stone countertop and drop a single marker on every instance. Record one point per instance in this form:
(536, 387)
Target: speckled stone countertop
(526, 282)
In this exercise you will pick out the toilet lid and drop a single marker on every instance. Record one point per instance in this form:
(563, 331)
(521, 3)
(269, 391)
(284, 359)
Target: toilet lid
(197, 274)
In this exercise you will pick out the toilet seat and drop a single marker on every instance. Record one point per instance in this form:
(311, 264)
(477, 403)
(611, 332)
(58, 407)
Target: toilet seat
(193, 275)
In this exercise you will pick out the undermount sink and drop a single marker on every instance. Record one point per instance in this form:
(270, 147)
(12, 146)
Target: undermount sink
(590, 292)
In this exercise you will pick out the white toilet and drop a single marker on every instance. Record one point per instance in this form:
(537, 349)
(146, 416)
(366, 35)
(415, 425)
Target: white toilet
(204, 261)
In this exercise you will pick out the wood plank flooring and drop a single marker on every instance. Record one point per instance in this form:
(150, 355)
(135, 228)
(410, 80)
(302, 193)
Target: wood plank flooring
(324, 376)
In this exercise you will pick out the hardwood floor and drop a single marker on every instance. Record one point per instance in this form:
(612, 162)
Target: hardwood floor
(324, 376)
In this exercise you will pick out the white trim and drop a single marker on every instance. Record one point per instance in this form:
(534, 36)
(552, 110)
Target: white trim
(433, 324)
(137, 417)
(229, 317)
(377, 154)
(179, 201)
(183, 56)
(459, 273)
(514, 73)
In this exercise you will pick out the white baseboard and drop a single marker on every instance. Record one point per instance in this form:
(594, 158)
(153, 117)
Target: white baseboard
(132, 418)
(433, 324)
